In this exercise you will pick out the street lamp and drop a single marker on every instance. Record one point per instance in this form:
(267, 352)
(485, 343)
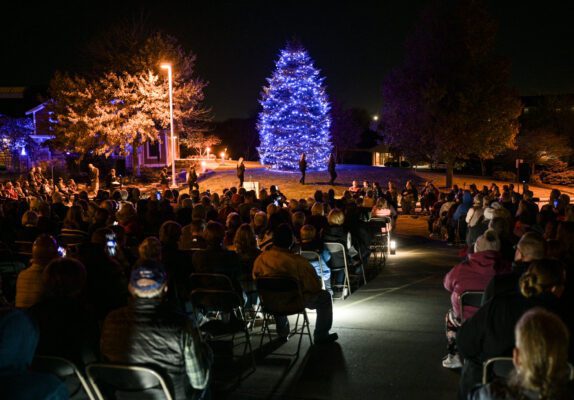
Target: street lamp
(169, 78)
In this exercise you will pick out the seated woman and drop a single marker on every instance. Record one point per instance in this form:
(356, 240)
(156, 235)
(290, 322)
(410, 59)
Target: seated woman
(309, 242)
(246, 248)
(540, 357)
(473, 274)
(67, 328)
(490, 332)
(385, 209)
(337, 233)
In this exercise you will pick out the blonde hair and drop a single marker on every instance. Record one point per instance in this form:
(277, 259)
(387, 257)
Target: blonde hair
(308, 233)
(336, 217)
(541, 277)
(542, 342)
(318, 209)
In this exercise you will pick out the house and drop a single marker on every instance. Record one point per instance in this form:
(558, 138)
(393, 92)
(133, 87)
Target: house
(42, 131)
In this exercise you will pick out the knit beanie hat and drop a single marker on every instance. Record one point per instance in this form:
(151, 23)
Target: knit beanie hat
(487, 241)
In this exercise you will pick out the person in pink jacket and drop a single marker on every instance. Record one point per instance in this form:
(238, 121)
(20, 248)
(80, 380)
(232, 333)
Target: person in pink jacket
(472, 274)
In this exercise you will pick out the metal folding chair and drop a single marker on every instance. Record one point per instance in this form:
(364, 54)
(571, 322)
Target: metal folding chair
(333, 248)
(469, 299)
(115, 381)
(381, 243)
(282, 296)
(215, 292)
(67, 371)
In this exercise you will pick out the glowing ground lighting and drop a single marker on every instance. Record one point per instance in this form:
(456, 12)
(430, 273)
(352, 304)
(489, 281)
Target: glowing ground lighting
(295, 116)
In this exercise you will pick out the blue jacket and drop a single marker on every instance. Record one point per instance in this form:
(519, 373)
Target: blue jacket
(463, 207)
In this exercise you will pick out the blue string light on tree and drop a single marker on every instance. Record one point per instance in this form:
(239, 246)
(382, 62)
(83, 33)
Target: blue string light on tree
(295, 117)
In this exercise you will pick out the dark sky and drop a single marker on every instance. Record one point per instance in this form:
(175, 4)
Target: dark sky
(354, 43)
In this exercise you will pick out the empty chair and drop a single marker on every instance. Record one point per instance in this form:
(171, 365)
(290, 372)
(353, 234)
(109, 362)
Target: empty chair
(115, 381)
(380, 245)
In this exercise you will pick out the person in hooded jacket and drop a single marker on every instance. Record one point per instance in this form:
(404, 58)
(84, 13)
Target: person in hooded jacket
(473, 274)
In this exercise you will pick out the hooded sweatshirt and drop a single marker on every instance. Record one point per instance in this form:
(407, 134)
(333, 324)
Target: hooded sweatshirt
(473, 274)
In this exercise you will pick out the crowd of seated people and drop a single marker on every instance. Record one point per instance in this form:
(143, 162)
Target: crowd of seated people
(519, 256)
(105, 267)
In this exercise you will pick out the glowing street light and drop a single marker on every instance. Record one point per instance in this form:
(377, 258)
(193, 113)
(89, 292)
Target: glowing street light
(375, 117)
(207, 151)
(222, 155)
(169, 78)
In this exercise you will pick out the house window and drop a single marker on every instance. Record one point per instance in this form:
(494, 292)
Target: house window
(153, 149)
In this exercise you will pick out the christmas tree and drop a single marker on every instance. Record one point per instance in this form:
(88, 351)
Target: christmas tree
(295, 117)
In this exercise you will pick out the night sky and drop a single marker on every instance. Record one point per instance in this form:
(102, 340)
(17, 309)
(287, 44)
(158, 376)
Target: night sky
(236, 42)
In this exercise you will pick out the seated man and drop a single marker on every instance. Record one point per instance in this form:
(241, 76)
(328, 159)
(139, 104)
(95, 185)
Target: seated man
(147, 331)
(279, 261)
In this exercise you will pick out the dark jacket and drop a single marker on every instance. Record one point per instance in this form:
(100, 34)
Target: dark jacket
(490, 332)
(337, 234)
(219, 261)
(67, 330)
(148, 332)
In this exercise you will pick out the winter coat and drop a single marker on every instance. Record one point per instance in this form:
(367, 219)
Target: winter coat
(464, 206)
(473, 274)
(147, 332)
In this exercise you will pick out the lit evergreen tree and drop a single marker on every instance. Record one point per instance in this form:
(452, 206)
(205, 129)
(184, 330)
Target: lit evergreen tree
(295, 117)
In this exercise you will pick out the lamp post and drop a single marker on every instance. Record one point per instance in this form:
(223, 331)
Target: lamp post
(169, 78)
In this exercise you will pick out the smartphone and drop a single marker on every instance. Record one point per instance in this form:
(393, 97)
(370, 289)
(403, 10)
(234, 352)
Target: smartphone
(61, 251)
(555, 203)
(158, 195)
(276, 202)
(115, 223)
(111, 244)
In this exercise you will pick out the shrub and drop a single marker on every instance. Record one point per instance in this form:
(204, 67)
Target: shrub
(558, 178)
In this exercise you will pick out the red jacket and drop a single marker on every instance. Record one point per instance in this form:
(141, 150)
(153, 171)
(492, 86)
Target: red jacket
(473, 274)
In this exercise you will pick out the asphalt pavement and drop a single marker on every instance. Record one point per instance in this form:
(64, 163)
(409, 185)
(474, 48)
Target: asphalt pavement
(391, 336)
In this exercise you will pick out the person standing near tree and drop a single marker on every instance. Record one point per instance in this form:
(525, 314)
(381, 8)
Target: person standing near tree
(94, 178)
(332, 169)
(192, 178)
(240, 171)
(302, 168)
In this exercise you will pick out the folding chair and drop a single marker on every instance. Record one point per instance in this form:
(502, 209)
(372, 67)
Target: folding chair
(358, 246)
(67, 371)
(24, 248)
(115, 381)
(336, 248)
(215, 292)
(282, 296)
(313, 256)
(469, 299)
(380, 245)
